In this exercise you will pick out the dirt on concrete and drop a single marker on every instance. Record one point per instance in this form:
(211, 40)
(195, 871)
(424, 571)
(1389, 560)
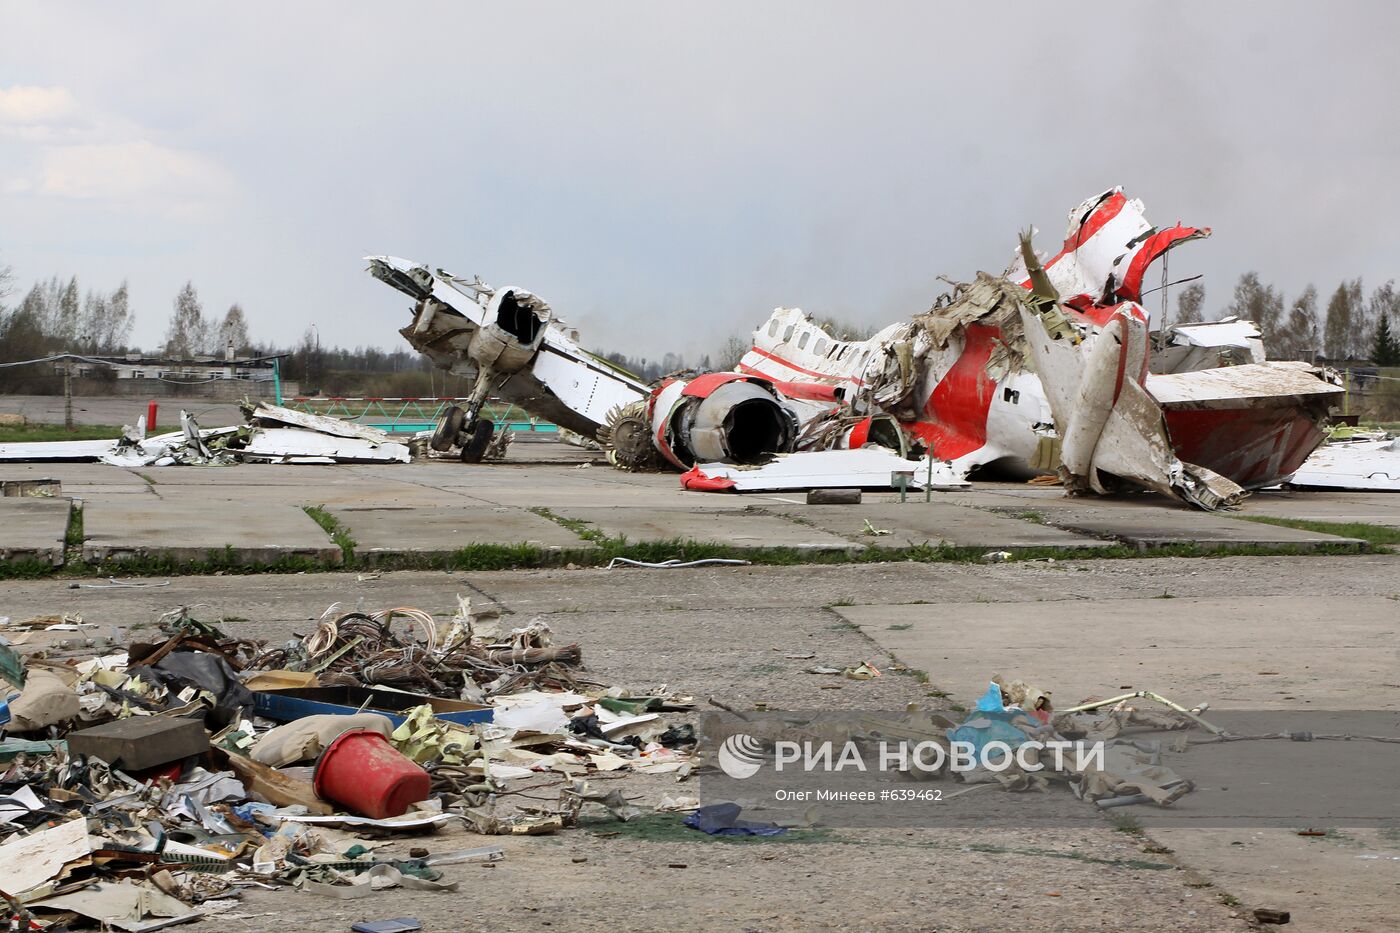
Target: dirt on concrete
(728, 633)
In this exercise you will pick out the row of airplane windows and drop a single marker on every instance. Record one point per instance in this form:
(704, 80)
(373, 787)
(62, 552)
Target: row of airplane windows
(831, 350)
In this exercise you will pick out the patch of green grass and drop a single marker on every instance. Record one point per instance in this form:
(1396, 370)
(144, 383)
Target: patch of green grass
(26, 568)
(41, 433)
(333, 527)
(491, 556)
(224, 561)
(578, 526)
(1379, 536)
(920, 675)
(73, 534)
(1124, 823)
(1032, 516)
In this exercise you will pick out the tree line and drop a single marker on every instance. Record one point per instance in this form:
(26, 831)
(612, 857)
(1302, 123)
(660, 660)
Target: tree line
(58, 316)
(1351, 327)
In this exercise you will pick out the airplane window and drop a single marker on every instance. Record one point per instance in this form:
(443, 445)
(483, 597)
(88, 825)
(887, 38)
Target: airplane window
(787, 334)
(802, 341)
(820, 348)
(773, 329)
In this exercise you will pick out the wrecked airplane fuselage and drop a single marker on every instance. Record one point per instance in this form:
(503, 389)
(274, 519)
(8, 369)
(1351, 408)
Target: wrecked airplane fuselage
(1047, 368)
(514, 348)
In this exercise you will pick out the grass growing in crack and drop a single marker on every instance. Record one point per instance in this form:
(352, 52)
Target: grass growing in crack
(578, 526)
(1377, 535)
(1124, 823)
(150, 481)
(333, 527)
(1032, 516)
(920, 675)
(73, 534)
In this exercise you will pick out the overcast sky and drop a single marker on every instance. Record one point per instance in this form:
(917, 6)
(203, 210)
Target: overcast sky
(665, 174)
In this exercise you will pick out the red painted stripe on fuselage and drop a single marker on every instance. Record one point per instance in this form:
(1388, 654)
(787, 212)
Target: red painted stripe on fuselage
(955, 416)
(800, 369)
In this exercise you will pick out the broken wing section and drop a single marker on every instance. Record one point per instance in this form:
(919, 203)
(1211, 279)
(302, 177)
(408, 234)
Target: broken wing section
(1112, 428)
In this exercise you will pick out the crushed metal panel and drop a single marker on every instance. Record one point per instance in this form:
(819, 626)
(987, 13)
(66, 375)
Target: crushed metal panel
(310, 446)
(1361, 465)
(55, 451)
(323, 424)
(1271, 383)
(1108, 421)
(510, 342)
(866, 468)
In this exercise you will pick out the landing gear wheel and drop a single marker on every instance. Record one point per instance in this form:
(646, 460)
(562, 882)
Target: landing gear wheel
(448, 427)
(474, 448)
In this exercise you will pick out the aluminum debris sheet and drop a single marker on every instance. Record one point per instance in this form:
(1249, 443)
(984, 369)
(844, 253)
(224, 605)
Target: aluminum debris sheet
(271, 435)
(866, 468)
(1368, 464)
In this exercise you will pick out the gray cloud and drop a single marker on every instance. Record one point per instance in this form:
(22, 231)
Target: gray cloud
(666, 174)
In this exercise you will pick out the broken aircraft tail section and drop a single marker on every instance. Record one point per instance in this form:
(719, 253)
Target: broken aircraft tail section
(1048, 368)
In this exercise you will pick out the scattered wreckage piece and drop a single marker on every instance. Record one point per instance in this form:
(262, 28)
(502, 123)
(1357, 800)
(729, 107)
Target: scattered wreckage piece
(1111, 427)
(271, 434)
(957, 379)
(139, 848)
(864, 468)
(1370, 464)
(1047, 368)
(510, 343)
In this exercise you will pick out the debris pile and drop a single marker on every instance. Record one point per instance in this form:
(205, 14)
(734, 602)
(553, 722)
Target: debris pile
(153, 783)
(271, 434)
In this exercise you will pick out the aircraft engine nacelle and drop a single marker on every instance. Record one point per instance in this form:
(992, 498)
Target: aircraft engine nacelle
(721, 417)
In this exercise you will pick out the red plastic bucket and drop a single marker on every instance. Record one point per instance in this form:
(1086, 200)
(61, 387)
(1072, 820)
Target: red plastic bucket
(361, 770)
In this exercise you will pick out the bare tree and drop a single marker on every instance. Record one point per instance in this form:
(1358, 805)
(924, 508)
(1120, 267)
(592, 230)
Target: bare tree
(68, 315)
(845, 330)
(1189, 304)
(116, 329)
(233, 330)
(731, 352)
(92, 324)
(1300, 334)
(189, 331)
(1262, 304)
(1339, 337)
